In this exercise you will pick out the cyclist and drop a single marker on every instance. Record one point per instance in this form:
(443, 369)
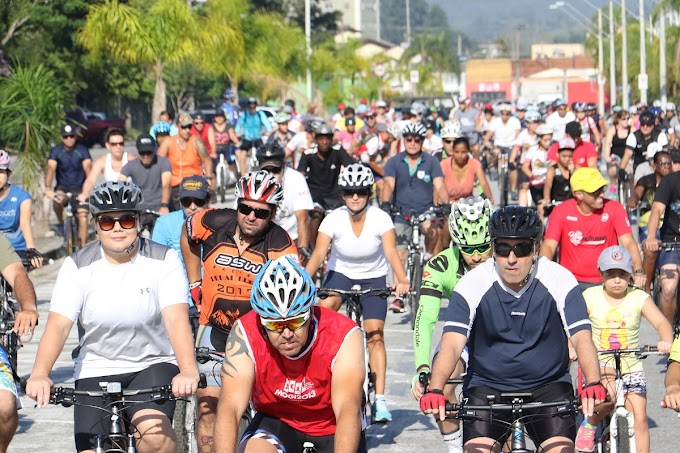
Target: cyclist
(489, 310)
(646, 168)
(585, 154)
(225, 137)
(232, 246)
(587, 224)
(129, 298)
(433, 143)
(231, 110)
(188, 156)
(71, 163)
(363, 243)
(468, 116)
(672, 380)
(371, 126)
(15, 274)
(614, 152)
(15, 215)
(437, 118)
(194, 196)
(615, 311)
(205, 132)
(559, 118)
(314, 360)
(347, 137)
(534, 169)
(163, 126)
(413, 182)
(638, 141)
(589, 131)
(461, 171)
(249, 128)
(321, 166)
(301, 142)
(557, 188)
(527, 139)
(469, 230)
(283, 134)
(293, 211)
(162, 132)
(504, 130)
(108, 165)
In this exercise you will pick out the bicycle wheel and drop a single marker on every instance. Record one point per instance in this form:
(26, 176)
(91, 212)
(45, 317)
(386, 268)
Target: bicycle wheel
(244, 423)
(503, 187)
(622, 437)
(70, 235)
(184, 424)
(416, 277)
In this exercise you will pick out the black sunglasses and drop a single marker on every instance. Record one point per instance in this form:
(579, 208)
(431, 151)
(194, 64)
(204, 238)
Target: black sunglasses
(360, 193)
(448, 141)
(127, 222)
(520, 250)
(185, 127)
(68, 136)
(273, 169)
(259, 212)
(187, 201)
(145, 153)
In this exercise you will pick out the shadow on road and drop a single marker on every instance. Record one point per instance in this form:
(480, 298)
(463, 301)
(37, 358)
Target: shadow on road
(410, 420)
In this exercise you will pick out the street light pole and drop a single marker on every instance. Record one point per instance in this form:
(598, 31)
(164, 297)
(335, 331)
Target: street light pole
(600, 65)
(408, 23)
(624, 57)
(612, 56)
(662, 57)
(642, 77)
(308, 42)
(377, 19)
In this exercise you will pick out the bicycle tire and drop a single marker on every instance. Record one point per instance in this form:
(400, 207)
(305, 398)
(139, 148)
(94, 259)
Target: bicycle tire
(70, 239)
(503, 183)
(415, 281)
(622, 437)
(179, 426)
(244, 423)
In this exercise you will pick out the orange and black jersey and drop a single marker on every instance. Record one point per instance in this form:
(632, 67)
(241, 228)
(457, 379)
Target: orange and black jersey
(227, 275)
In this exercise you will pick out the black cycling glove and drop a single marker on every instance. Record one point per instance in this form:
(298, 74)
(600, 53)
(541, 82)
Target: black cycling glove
(622, 174)
(386, 206)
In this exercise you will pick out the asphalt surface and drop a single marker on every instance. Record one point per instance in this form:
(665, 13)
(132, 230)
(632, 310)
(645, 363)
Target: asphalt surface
(50, 428)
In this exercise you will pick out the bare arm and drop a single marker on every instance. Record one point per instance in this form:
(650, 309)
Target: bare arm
(388, 189)
(440, 190)
(166, 189)
(627, 154)
(389, 241)
(628, 241)
(607, 144)
(303, 230)
(651, 244)
(657, 319)
(323, 242)
(192, 257)
(164, 148)
(238, 375)
(87, 167)
(451, 348)
(486, 189)
(49, 178)
(176, 320)
(211, 141)
(547, 188)
(347, 382)
(549, 248)
(25, 222)
(582, 341)
(97, 169)
(17, 277)
(672, 382)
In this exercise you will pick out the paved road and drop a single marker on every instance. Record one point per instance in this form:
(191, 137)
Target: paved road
(50, 429)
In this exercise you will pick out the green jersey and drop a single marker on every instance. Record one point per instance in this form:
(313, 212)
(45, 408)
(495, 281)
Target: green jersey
(440, 276)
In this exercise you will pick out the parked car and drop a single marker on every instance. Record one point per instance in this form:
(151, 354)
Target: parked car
(93, 126)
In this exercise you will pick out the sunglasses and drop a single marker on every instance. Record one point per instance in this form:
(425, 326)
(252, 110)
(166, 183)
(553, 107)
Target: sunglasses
(472, 249)
(68, 136)
(412, 139)
(448, 142)
(358, 193)
(198, 123)
(259, 212)
(145, 153)
(647, 124)
(127, 222)
(188, 201)
(272, 169)
(520, 250)
(117, 143)
(279, 325)
(185, 127)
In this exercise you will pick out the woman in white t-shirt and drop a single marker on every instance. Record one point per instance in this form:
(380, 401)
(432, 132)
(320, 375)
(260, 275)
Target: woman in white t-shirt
(129, 298)
(364, 241)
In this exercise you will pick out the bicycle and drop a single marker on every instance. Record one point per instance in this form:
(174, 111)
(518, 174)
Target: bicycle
(415, 260)
(121, 431)
(70, 228)
(352, 299)
(184, 418)
(222, 178)
(617, 430)
(656, 283)
(9, 340)
(148, 220)
(517, 431)
(503, 175)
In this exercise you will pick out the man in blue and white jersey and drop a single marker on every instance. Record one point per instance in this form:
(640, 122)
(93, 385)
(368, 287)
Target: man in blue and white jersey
(517, 314)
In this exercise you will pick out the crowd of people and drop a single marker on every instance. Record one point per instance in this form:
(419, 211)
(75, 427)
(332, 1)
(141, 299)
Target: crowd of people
(547, 280)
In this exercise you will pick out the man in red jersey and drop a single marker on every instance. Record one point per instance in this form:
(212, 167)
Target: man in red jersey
(585, 154)
(301, 365)
(587, 224)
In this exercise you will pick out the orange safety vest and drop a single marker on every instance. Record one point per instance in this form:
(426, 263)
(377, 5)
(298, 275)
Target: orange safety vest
(185, 162)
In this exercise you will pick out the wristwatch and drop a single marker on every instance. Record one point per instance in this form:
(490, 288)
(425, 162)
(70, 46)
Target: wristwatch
(165, 205)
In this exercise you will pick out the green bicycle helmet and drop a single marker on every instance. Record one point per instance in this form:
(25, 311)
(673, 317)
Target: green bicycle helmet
(469, 221)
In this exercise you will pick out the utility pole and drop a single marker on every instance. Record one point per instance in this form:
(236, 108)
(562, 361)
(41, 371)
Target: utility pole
(642, 77)
(377, 20)
(600, 65)
(624, 57)
(612, 56)
(308, 42)
(408, 23)
(662, 57)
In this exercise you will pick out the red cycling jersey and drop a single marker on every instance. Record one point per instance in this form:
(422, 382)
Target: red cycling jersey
(297, 390)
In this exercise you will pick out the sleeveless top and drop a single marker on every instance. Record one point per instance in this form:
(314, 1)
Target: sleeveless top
(560, 190)
(109, 173)
(619, 144)
(457, 189)
(297, 390)
(222, 137)
(184, 162)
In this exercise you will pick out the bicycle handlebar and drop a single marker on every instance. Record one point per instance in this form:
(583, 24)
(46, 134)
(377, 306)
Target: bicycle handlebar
(563, 407)
(323, 293)
(642, 351)
(413, 218)
(205, 355)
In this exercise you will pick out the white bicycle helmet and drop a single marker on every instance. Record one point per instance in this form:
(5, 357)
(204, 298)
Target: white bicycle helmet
(652, 149)
(451, 129)
(532, 116)
(259, 186)
(543, 129)
(414, 129)
(4, 160)
(469, 221)
(394, 130)
(418, 108)
(282, 289)
(356, 176)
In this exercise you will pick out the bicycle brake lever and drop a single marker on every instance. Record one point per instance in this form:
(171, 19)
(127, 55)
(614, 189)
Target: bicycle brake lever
(202, 381)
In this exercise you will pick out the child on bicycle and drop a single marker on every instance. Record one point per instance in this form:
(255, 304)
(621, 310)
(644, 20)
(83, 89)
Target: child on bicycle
(615, 310)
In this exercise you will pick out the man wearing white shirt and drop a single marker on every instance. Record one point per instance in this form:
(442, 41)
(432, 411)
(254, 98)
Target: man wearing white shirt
(504, 130)
(558, 119)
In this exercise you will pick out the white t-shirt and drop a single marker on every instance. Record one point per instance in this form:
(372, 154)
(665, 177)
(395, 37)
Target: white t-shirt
(118, 307)
(298, 144)
(433, 145)
(538, 160)
(525, 140)
(355, 257)
(631, 140)
(504, 134)
(296, 197)
(559, 123)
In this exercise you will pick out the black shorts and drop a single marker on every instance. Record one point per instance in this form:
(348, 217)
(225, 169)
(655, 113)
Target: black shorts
(287, 439)
(372, 305)
(541, 429)
(328, 202)
(89, 421)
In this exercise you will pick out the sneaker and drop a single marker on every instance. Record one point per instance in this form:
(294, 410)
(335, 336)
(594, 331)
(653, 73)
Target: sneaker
(397, 306)
(382, 414)
(514, 195)
(585, 438)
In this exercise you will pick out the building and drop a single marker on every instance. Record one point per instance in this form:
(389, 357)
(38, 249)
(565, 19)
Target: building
(351, 12)
(542, 51)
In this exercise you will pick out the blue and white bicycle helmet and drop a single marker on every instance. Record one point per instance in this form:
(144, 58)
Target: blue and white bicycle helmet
(282, 289)
(160, 128)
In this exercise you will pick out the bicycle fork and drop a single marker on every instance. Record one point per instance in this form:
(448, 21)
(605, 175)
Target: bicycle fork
(621, 411)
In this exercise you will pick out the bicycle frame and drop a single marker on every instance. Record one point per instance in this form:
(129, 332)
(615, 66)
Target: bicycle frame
(503, 158)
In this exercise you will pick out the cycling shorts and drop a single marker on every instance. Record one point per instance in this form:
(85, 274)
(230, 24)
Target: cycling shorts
(327, 202)
(635, 382)
(247, 144)
(90, 421)
(288, 440)
(541, 429)
(206, 337)
(669, 257)
(6, 373)
(372, 305)
(228, 151)
(473, 137)
(60, 193)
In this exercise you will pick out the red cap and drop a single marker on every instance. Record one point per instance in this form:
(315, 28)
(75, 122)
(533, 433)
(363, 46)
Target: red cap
(341, 106)
(363, 101)
(488, 107)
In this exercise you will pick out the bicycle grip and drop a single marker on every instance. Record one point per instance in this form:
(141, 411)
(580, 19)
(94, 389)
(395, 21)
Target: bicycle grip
(202, 381)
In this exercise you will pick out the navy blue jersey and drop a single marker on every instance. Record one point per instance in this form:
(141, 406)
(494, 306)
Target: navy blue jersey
(518, 340)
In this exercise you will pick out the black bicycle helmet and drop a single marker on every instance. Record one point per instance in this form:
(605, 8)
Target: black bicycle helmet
(516, 222)
(115, 196)
(647, 118)
(270, 151)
